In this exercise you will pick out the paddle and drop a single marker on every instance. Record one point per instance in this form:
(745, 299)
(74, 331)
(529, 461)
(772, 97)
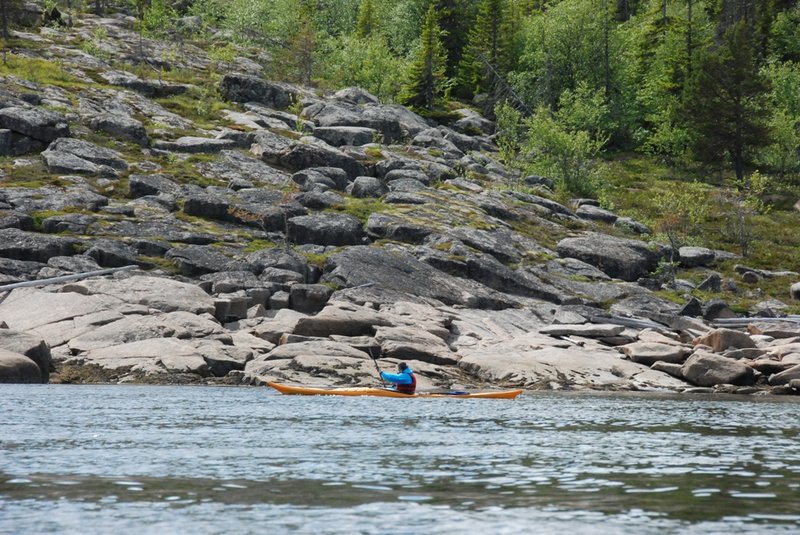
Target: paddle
(375, 361)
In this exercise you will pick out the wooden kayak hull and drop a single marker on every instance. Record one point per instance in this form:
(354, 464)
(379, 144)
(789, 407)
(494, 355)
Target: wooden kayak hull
(386, 393)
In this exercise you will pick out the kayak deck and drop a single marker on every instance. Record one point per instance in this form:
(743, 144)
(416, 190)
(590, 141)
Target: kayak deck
(387, 393)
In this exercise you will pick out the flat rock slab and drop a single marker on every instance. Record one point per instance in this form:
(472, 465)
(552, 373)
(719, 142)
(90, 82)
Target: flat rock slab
(514, 363)
(323, 349)
(589, 330)
(649, 353)
(26, 309)
(616, 257)
(195, 145)
(163, 294)
(182, 325)
(37, 123)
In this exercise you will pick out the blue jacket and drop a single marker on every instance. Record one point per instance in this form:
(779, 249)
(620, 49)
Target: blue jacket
(402, 378)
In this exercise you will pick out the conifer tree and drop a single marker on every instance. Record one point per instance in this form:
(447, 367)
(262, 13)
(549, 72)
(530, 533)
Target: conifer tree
(427, 82)
(725, 101)
(365, 23)
(485, 44)
(455, 17)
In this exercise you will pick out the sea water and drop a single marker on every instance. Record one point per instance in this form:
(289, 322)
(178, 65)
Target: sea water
(161, 460)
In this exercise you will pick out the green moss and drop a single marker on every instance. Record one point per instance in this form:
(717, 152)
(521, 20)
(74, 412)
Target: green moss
(184, 170)
(161, 263)
(375, 154)
(39, 71)
(257, 245)
(316, 259)
(360, 208)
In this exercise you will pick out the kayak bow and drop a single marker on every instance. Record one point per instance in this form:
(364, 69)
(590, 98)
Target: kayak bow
(386, 393)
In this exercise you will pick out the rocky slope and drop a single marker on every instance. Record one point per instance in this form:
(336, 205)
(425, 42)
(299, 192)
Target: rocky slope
(282, 233)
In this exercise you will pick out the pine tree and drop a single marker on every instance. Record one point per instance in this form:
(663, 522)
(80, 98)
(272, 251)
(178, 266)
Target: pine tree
(454, 19)
(725, 100)
(485, 44)
(427, 82)
(365, 23)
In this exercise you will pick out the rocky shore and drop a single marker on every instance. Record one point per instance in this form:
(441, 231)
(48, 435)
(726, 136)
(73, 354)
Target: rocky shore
(296, 236)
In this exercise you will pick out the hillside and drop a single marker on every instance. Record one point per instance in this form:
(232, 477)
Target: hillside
(282, 231)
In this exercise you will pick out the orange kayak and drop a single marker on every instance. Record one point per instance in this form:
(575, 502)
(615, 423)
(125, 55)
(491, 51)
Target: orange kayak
(387, 393)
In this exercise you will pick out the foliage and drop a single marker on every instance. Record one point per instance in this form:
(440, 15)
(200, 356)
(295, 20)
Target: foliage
(682, 212)
(741, 204)
(363, 62)
(157, 19)
(365, 23)
(564, 145)
(561, 49)
(725, 100)
(426, 84)
(782, 156)
(485, 44)
(510, 133)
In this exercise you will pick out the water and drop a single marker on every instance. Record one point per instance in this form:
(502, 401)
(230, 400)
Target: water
(146, 459)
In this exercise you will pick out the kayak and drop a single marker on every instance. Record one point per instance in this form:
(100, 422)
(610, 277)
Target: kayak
(388, 393)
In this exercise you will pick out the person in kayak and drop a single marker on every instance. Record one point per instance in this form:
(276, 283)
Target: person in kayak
(404, 381)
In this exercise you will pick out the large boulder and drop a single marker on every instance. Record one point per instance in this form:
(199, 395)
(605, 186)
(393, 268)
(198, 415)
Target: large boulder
(648, 353)
(196, 260)
(325, 229)
(120, 126)
(707, 369)
(110, 254)
(37, 123)
(309, 298)
(90, 152)
(619, 258)
(412, 343)
(16, 368)
(315, 153)
(794, 291)
(367, 186)
(721, 339)
(338, 136)
(32, 347)
(279, 258)
(696, 256)
(31, 246)
(786, 376)
(236, 166)
(341, 319)
(157, 184)
(523, 361)
(246, 88)
(321, 178)
(133, 328)
(384, 226)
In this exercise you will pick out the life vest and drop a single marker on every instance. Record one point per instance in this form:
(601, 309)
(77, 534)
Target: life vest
(409, 388)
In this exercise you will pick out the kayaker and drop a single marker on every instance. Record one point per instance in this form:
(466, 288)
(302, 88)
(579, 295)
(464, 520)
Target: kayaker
(404, 381)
